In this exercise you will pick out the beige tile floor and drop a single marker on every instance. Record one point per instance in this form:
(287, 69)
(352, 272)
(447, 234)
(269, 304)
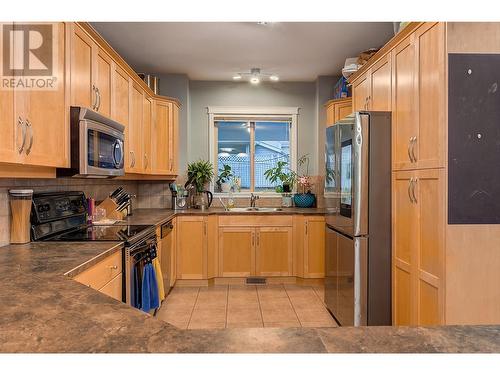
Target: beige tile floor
(242, 306)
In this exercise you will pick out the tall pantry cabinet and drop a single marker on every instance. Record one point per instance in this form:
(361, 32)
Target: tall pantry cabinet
(433, 277)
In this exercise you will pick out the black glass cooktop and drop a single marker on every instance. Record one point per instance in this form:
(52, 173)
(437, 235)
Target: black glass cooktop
(102, 233)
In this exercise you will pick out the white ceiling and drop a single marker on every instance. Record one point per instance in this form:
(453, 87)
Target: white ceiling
(296, 51)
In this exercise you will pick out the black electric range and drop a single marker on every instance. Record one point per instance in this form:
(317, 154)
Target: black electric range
(62, 216)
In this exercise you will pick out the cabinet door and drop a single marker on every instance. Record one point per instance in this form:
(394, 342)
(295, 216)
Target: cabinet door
(13, 128)
(147, 114)
(82, 46)
(361, 93)
(429, 192)
(274, 251)
(114, 288)
(133, 133)
(102, 81)
(191, 248)
(380, 97)
(236, 251)
(342, 110)
(314, 247)
(404, 248)
(404, 122)
(174, 139)
(431, 83)
(160, 138)
(121, 106)
(44, 111)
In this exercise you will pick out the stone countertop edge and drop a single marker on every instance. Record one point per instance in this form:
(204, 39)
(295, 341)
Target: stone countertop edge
(50, 313)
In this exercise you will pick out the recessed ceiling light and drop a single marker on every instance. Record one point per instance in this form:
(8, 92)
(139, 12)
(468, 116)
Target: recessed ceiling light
(254, 80)
(274, 78)
(237, 77)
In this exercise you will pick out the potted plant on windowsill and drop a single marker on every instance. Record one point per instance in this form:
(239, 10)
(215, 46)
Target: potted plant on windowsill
(282, 175)
(304, 198)
(224, 179)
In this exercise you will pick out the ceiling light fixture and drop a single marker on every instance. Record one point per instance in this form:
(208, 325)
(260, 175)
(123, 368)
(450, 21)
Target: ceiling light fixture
(255, 75)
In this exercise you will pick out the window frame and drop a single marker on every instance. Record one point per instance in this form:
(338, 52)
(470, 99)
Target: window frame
(251, 114)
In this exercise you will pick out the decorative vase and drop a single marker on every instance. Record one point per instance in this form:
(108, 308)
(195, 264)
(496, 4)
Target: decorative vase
(225, 187)
(304, 200)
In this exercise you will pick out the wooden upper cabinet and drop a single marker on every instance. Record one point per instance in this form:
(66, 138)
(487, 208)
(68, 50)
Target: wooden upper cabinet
(45, 115)
(91, 73)
(134, 131)
(314, 247)
(236, 251)
(102, 86)
(361, 93)
(13, 128)
(192, 247)
(161, 137)
(337, 109)
(147, 120)
(82, 60)
(174, 140)
(430, 82)
(404, 122)
(380, 85)
(273, 251)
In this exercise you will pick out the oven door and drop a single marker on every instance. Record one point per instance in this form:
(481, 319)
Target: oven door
(101, 150)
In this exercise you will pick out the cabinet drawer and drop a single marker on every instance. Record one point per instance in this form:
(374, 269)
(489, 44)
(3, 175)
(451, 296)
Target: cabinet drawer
(255, 220)
(114, 287)
(102, 273)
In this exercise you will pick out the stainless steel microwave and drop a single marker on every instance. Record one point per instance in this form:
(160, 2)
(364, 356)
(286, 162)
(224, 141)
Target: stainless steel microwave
(97, 145)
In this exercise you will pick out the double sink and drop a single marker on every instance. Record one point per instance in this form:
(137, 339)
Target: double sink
(254, 209)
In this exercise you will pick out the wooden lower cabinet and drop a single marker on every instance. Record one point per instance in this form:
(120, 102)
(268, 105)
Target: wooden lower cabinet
(114, 288)
(236, 251)
(105, 276)
(418, 247)
(192, 244)
(314, 247)
(273, 254)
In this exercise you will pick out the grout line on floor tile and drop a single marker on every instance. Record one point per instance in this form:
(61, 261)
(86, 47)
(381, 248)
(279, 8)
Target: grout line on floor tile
(260, 308)
(293, 307)
(192, 310)
(319, 297)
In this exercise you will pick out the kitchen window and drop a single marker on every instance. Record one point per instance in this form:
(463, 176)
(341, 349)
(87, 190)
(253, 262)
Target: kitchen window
(251, 143)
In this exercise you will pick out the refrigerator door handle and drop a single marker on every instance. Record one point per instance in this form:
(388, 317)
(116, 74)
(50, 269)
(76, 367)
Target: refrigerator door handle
(360, 175)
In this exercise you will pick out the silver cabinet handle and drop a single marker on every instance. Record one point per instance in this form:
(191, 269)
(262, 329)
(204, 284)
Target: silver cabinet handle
(94, 97)
(30, 128)
(98, 99)
(306, 228)
(410, 143)
(113, 267)
(413, 149)
(146, 161)
(132, 159)
(409, 189)
(415, 180)
(253, 239)
(21, 123)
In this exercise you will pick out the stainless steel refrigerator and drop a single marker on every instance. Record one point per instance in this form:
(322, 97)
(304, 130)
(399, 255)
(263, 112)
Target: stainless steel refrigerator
(358, 219)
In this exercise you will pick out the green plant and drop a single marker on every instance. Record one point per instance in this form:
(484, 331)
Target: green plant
(225, 175)
(280, 174)
(200, 173)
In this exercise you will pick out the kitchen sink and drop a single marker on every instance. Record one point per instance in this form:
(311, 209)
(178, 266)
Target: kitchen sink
(255, 209)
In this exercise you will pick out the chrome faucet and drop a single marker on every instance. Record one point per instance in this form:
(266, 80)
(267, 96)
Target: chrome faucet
(253, 199)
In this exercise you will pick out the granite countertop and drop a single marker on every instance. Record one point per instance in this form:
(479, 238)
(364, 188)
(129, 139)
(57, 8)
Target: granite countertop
(43, 310)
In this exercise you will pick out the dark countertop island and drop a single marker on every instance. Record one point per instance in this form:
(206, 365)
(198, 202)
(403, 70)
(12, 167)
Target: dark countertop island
(43, 310)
